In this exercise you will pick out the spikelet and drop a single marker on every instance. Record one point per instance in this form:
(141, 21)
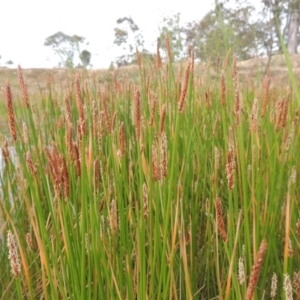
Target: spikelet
(69, 141)
(296, 283)
(68, 109)
(54, 169)
(254, 115)
(273, 286)
(105, 112)
(23, 86)
(77, 160)
(65, 177)
(162, 118)
(236, 93)
(184, 87)
(10, 111)
(155, 166)
(145, 200)
(256, 270)
(29, 241)
(230, 166)
(101, 129)
(5, 152)
(266, 94)
(24, 134)
(164, 157)
(137, 124)
(152, 109)
(97, 174)
(285, 110)
(221, 225)
(279, 112)
(113, 218)
(121, 151)
(287, 286)
(32, 168)
(80, 108)
(86, 90)
(223, 89)
(241, 271)
(13, 255)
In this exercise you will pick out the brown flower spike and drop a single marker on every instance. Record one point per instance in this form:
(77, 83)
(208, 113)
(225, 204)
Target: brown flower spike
(10, 111)
(256, 270)
(221, 225)
(13, 255)
(184, 87)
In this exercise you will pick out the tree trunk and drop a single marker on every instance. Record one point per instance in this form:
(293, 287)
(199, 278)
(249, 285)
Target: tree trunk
(293, 27)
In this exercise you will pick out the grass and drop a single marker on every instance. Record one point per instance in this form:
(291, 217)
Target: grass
(201, 204)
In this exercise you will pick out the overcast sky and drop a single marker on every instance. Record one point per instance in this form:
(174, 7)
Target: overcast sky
(25, 24)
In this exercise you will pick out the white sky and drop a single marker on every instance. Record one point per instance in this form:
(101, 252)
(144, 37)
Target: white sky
(25, 24)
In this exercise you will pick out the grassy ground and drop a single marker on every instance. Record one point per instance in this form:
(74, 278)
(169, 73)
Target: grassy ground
(172, 185)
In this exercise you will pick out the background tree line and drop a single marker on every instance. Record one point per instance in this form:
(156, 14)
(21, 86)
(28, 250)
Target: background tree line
(232, 24)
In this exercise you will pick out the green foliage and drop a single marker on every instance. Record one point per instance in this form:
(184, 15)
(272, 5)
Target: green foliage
(85, 57)
(128, 38)
(171, 27)
(93, 222)
(66, 46)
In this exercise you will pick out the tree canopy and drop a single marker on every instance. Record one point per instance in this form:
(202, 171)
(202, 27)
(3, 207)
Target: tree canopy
(246, 29)
(66, 46)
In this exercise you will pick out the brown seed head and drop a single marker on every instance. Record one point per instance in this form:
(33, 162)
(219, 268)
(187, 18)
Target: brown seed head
(13, 255)
(164, 157)
(273, 286)
(296, 283)
(153, 105)
(32, 168)
(220, 221)
(122, 140)
(155, 166)
(5, 152)
(184, 87)
(23, 86)
(105, 111)
(279, 113)
(230, 167)
(145, 199)
(256, 269)
(285, 110)
(266, 94)
(137, 124)
(113, 218)
(10, 111)
(162, 118)
(287, 286)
